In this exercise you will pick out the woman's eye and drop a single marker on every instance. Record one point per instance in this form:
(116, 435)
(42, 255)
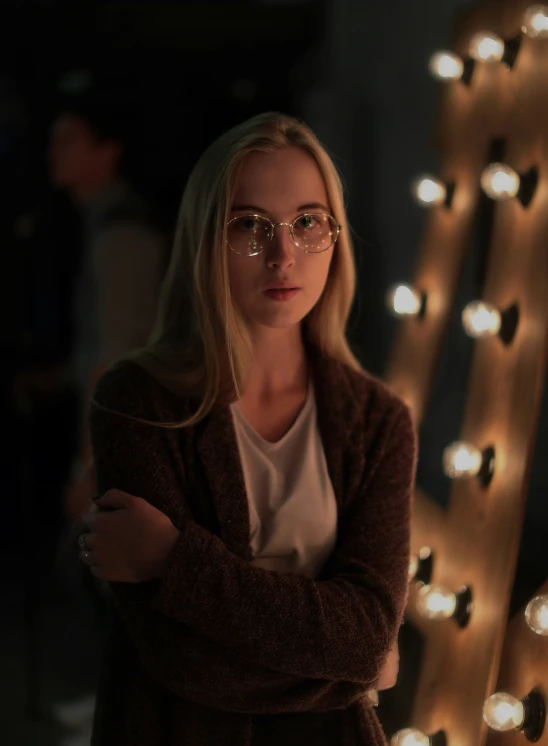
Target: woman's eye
(249, 224)
(307, 221)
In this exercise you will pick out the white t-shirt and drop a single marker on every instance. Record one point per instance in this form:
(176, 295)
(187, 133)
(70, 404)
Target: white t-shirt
(292, 507)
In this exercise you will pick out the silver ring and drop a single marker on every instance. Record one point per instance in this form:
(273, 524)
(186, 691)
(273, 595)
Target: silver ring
(82, 541)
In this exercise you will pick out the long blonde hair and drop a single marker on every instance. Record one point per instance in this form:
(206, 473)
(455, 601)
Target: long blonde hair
(200, 346)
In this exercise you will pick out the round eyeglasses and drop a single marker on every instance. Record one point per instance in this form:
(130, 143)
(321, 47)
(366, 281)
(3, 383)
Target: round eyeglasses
(313, 233)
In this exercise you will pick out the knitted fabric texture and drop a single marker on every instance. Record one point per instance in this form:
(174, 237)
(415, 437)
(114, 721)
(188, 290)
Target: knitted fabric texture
(222, 652)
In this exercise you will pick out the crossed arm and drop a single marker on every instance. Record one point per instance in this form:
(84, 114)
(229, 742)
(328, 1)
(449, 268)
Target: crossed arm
(221, 632)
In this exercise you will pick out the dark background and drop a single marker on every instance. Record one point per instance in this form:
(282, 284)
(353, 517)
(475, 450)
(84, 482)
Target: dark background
(184, 72)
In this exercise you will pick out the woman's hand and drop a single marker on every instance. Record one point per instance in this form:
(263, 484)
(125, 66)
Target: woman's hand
(128, 539)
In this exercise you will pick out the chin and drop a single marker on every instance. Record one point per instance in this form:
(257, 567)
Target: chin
(276, 322)
(277, 315)
(280, 325)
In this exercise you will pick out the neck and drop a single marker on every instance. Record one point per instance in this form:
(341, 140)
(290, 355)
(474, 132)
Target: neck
(279, 363)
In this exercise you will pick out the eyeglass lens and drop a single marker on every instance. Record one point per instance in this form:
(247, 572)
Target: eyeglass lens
(251, 234)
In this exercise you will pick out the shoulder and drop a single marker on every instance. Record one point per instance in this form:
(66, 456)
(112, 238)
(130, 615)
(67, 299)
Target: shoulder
(384, 429)
(373, 397)
(127, 388)
(381, 419)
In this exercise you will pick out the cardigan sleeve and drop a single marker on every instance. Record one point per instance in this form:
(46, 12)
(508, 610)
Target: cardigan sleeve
(337, 628)
(202, 671)
(180, 658)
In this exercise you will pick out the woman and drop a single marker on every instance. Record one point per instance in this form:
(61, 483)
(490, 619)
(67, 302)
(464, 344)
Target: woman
(254, 526)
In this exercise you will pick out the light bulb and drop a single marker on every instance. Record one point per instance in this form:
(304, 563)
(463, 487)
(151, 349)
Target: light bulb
(413, 566)
(421, 565)
(436, 602)
(536, 615)
(404, 300)
(428, 190)
(446, 66)
(409, 737)
(535, 21)
(503, 712)
(481, 319)
(500, 182)
(462, 459)
(486, 47)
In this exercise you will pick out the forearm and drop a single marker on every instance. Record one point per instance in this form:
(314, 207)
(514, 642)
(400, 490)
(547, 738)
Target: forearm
(205, 672)
(340, 627)
(326, 630)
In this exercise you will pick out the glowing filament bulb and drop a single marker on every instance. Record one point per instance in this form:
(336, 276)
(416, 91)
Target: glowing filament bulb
(413, 565)
(535, 21)
(486, 47)
(446, 66)
(462, 459)
(500, 182)
(481, 319)
(420, 565)
(503, 712)
(536, 615)
(409, 737)
(436, 602)
(404, 300)
(428, 190)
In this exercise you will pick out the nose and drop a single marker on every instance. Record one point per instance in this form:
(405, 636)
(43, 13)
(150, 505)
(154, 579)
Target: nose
(282, 250)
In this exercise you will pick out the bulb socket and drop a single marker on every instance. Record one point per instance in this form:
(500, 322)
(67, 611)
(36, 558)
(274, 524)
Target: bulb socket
(422, 310)
(535, 715)
(487, 469)
(463, 608)
(449, 194)
(469, 66)
(527, 186)
(425, 566)
(508, 323)
(511, 51)
(438, 739)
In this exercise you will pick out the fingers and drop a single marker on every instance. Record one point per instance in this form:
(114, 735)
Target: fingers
(87, 555)
(85, 541)
(89, 518)
(114, 499)
(88, 558)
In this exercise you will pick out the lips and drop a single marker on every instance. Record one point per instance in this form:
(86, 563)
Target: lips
(282, 286)
(279, 294)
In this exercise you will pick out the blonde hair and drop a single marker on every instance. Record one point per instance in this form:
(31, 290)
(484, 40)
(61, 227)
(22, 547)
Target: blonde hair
(200, 346)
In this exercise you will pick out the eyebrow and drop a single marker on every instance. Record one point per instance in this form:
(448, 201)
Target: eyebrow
(255, 208)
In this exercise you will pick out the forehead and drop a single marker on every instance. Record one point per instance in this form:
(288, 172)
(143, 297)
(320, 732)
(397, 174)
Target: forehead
(280, 181)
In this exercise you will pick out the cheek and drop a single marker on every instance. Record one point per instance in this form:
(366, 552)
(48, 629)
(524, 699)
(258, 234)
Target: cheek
(242, 277)
(319, 275)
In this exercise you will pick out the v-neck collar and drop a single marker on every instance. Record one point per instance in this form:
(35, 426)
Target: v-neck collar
(217, 447)
(275, 445)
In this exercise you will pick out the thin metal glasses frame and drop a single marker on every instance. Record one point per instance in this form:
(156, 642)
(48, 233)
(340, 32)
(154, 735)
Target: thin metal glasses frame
(274, 225)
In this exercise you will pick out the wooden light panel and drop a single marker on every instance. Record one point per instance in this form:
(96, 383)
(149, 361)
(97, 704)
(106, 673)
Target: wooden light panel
(524, 667)
(468, 119)
(481, 530)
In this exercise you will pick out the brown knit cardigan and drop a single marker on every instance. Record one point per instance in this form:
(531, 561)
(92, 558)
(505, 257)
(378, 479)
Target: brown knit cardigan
(222, 653)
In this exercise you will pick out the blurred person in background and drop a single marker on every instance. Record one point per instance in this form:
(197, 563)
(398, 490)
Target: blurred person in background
(116, 288)
(123, 260)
